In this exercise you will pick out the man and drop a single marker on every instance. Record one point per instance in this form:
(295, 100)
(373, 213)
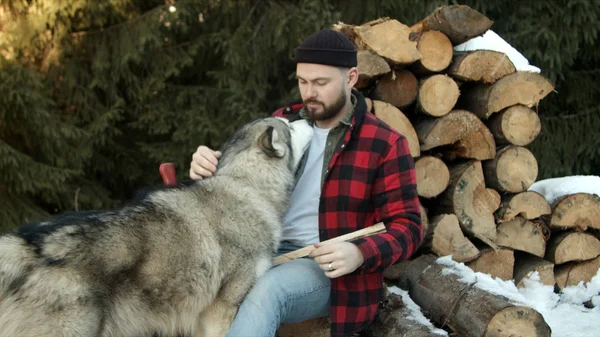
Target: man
(357, 172)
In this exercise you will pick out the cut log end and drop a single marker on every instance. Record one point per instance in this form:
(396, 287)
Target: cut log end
(390, 39)
(370, 66)
(570, 274)
(497, 263)
(448, 239)
(513, 170)
(518, 321)
(526, 265)
(436, 52)
(485, 66)
(571, 247)
(433, 176)
(529, 205)
(398, 121)
(397, 87)
(437, 95)
(578, 211)
(524, 235)
(517, 125)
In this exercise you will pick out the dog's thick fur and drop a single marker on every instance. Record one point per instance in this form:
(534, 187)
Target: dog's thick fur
(176, 261)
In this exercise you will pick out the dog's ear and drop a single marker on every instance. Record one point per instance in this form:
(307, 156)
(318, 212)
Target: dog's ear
(271, 144)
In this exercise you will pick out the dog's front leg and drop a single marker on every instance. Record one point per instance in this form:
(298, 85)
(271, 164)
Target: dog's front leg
(216, 320)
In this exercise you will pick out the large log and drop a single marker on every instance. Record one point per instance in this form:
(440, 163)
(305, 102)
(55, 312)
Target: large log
(497, 263)
(448, 239)
(436, 52)
(485, 66)
(459, 22)
(397, 120)
(517, 125)
(578, 211)
(433, 176)
(473, 203)
(465, 308)
(527, 264)
(370, 66)
(398, 87)
(524, 235)
(529, 205)
(513, 169)
(525, 88)
(461, 134)
(571, 247)
(571, 273)
(387, 37)
(437, 95)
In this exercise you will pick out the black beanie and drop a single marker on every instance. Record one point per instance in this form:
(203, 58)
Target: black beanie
(327, 47)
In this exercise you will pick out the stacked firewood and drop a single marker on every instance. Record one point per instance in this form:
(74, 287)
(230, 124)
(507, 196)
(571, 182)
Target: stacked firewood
(468, 118)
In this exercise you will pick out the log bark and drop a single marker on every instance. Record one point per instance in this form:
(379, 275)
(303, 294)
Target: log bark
(513, 169)
(436, 52)
(577, 211)
(398, 87)
(486, 66)
(448, 239)
(461, 134)
(499, 263)
(524, 235)
(394, 318)
(397, 120)
(387, 37)
(516, 125)
(473, 203)
(571, 247)
(529, 205)
(527, 264)
(316, 327)
(571, 273)
(525, 88)
(459, 22)
(370, 66)
(437, 95)
(433, 176)
(467, 309)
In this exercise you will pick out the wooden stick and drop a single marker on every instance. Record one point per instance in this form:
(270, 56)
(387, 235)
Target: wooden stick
(302, 252)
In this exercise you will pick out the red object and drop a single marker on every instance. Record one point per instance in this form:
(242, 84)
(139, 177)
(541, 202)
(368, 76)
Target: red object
(167, 172)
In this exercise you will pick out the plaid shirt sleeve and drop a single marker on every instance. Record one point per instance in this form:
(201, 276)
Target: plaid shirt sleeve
(397, 206)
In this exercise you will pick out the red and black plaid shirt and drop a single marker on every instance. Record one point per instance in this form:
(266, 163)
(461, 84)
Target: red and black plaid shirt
(370, 179)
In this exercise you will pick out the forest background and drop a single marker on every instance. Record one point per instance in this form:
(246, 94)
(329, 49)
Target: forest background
(94, 95)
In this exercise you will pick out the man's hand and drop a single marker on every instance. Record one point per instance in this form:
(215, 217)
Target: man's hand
(342, 257)
(204, 163)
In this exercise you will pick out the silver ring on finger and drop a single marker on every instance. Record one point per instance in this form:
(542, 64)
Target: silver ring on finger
(330, 266)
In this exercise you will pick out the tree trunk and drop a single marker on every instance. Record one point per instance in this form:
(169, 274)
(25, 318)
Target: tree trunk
(448, 239)
(577, 211)
(398, 87)
(570, 274)
(473, 203)
(397, 120)
(437, 95)
(460, 132)
(485, 66)
(529, 205)
(387, 37)
(517, 125)
(459, 22)
(433, 176)
(525, 88)
(526, 264)
(524, 235)
(499, 263)
(394, 318)
(572, 246)
(467, 309)
(513, 170)
(370, 66)
(436, 52)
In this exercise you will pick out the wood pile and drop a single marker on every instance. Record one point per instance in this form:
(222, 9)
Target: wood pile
(468, 118)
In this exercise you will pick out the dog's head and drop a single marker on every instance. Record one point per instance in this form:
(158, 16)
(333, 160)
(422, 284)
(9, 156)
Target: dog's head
(271, 144)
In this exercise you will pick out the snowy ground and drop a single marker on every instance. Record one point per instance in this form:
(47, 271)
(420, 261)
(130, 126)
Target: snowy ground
(564, 312)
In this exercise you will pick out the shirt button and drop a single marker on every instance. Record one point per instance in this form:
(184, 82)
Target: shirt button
(343, 145)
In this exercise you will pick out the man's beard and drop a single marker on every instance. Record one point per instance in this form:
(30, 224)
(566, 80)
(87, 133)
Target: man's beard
(329, 111)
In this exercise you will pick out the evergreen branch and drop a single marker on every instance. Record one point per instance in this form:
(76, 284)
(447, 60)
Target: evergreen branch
(571, 116)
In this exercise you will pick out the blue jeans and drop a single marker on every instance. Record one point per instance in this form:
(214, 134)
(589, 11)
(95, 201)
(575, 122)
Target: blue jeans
(289, 293)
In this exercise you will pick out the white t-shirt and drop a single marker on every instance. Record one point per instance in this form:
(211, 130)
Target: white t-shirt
(301, 222)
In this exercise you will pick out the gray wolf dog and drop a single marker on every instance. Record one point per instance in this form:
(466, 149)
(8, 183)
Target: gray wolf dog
(177, 260)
